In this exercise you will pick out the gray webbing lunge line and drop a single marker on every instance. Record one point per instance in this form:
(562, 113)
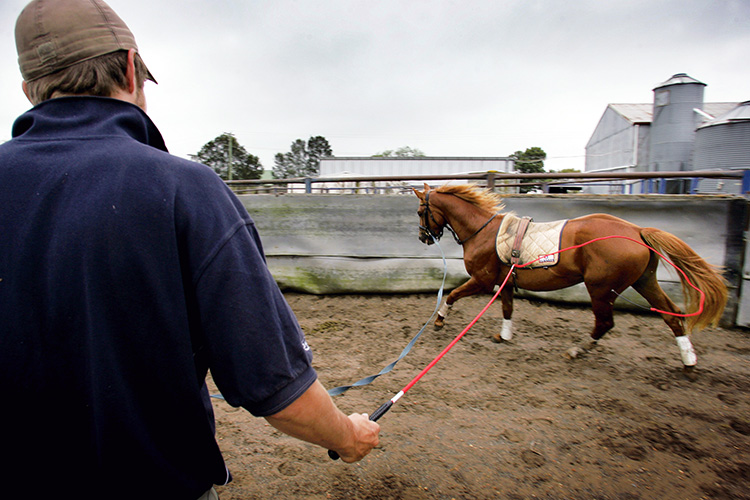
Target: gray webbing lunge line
(342, 389)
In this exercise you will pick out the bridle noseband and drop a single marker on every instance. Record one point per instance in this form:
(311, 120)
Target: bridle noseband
(437, 235)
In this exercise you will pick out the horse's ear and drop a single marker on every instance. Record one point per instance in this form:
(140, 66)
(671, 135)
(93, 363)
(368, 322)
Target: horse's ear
(426, 187)
(419, 195)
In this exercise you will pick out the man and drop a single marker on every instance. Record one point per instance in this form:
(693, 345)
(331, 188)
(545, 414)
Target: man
(125, 275)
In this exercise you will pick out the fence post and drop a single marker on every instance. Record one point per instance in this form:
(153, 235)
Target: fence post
(491, 180)
(308, 185)
(694, 185)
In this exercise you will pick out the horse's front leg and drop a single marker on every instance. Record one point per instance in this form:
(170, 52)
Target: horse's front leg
(506, 297)
(471, 287)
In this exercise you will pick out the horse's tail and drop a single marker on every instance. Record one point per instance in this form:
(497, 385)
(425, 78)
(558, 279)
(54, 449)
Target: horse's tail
(701, 274)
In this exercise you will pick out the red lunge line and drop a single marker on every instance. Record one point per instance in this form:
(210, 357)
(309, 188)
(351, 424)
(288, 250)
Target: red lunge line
(387, 406)
(468, 327)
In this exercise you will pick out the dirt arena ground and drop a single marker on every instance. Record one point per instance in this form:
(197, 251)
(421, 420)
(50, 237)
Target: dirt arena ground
(517, 420)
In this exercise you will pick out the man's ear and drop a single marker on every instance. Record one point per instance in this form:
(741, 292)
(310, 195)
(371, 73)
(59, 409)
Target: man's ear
(130, 72)
(25, 88)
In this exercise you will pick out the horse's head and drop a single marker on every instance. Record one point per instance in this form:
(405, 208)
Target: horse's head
(431, 220)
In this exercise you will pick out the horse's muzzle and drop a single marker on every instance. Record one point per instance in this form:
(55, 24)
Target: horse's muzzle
(425, 238)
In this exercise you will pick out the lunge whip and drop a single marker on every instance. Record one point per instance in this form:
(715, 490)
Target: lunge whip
(388, 404)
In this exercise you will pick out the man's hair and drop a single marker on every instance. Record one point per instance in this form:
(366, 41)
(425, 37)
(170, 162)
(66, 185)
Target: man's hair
(100, 76)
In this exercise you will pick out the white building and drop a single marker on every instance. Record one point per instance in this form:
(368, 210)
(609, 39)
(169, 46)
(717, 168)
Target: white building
(342, 167)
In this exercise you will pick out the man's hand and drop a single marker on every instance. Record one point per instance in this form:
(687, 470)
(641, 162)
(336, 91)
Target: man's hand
(366, 438)
(314, 417)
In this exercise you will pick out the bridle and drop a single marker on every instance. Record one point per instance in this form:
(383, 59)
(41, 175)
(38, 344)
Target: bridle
(427, 215)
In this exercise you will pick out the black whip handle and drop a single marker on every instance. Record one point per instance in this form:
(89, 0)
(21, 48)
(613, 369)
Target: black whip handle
(374, 417)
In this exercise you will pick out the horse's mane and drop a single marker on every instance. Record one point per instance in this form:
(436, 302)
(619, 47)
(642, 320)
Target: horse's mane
(475, 195)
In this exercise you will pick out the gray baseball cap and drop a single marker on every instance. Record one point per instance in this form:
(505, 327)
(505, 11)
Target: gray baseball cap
(56, 34)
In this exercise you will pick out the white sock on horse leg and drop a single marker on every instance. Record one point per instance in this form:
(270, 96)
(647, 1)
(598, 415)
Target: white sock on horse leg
(443, 311)
(507, 332)
(686, 350)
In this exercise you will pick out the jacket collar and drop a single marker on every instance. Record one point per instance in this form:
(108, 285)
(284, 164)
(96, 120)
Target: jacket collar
(87, 117)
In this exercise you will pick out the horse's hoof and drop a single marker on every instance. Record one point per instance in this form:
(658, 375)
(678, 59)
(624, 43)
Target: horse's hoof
(574, 352)
(591, 345)
(439, 321)
(497, 338)
(689, 373)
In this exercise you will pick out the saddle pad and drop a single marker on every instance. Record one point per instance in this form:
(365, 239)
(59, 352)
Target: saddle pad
(541, 239)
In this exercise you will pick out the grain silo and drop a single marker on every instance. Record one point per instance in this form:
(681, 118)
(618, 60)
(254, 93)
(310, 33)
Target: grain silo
(674, 122)
(724, 142)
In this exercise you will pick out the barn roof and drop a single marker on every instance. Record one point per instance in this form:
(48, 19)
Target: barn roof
(642, 113)
(634, 113)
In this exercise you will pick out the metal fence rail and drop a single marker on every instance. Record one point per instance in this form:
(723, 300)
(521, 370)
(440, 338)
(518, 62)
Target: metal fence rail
(491, 180)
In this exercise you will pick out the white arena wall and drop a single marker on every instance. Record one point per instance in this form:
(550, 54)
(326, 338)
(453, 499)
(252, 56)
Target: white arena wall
(328, 244)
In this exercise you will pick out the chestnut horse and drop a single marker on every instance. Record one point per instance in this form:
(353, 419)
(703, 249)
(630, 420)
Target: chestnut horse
(607, 267)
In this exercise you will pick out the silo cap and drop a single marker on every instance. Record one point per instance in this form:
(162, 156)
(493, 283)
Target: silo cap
(679, 79)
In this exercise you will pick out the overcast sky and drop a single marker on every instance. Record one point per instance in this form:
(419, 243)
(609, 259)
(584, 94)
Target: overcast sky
(451, 78)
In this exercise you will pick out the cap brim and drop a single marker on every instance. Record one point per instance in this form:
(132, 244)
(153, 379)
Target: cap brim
(149, 76)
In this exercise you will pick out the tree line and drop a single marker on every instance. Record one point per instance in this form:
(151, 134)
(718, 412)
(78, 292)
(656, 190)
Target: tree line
(231, 161)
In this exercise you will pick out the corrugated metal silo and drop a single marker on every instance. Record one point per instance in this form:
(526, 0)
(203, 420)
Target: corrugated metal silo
(674, 122)
(724, 143)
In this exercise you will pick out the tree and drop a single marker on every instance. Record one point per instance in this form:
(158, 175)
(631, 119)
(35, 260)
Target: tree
(218, 153)
(403, 152)
(317, 149)
(530, 161)
(303, 158)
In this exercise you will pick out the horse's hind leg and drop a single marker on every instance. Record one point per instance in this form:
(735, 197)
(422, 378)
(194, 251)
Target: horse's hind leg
(603, 306)
(649, 288)
(604, 289)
